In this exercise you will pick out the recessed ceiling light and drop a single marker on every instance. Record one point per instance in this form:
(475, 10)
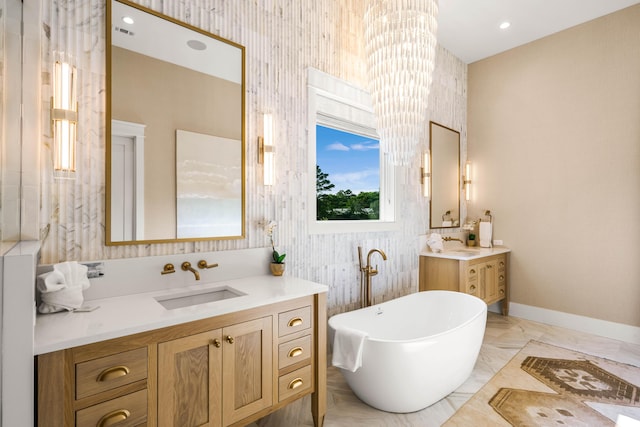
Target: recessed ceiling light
(196, 45)
(127, 20)
(505, 25)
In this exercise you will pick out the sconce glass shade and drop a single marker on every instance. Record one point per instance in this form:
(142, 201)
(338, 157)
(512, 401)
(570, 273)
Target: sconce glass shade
(426, 174)
(64, 135)
(267, 151)
(64, 117)
(467, 181)
(400, 43)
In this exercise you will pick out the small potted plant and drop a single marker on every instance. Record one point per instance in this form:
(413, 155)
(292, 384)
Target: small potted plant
(277, 262)
(471, 241)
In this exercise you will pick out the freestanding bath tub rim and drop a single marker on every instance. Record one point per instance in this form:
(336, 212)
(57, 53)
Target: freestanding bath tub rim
(420, 348)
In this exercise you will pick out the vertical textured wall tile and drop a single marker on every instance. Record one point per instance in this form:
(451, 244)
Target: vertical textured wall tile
(282, 39)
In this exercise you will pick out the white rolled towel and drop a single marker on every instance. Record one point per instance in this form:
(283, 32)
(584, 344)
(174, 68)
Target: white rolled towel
(435, 243)
(61, 289)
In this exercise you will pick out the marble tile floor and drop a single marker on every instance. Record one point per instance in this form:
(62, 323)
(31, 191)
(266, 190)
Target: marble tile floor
(504, 337)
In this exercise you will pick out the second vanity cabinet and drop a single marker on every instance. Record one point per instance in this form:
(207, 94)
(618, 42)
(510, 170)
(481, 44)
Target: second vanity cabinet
(485, 277)
(227, 370)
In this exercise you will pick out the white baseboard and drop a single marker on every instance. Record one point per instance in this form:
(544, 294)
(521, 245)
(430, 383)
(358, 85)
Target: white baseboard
(618, 331)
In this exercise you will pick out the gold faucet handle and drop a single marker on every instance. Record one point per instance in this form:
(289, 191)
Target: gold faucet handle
(168, 269)
(203, 264)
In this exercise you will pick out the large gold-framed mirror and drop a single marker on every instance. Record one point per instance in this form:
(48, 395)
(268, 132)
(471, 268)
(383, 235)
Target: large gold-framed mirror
(175, 138)
(444, 144)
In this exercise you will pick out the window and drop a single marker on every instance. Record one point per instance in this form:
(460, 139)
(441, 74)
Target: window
(354, 185)
(347, 175)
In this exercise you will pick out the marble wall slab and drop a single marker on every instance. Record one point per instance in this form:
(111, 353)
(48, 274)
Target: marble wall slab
(282, 40)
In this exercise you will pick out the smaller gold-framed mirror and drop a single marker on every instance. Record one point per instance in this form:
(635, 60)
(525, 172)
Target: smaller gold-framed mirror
(444, 144)
(175, 134)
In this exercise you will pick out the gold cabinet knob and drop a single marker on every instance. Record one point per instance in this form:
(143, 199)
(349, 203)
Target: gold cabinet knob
(501, 277)
(216, 343)
(501, 264)
(489, 266)
(472, 287)
(501, 291)
(230, 339)
(472, 271)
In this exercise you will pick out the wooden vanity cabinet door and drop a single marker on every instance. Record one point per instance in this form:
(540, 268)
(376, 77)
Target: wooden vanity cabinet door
(189, 381)
(247, 382)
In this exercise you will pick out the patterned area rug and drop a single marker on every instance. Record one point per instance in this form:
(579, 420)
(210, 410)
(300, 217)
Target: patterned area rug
(544, 385)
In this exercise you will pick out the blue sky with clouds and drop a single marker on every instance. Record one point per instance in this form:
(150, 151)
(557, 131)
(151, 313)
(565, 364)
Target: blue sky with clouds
(352, 161)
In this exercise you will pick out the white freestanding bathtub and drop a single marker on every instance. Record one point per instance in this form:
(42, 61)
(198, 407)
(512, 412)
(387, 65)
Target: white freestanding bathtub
(419, 348)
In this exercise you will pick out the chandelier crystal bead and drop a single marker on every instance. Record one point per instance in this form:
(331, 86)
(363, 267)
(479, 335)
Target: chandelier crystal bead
(400, 46)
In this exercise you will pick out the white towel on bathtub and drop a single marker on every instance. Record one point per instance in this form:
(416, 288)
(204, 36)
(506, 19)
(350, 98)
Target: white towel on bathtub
(347, 348)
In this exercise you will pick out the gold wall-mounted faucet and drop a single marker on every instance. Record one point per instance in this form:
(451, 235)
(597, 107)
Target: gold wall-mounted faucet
(186, 266)
(448, 239)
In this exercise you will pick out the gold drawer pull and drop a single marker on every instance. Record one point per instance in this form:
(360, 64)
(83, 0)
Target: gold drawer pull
(113, 373)
(295, 352)
(216, 343)
(472, 271)
(230, 339)
(501, 291)
(295, 384)
(472, 287)
(113, 418)
(501, 264)
(489, 266)
(296, 321)
(501, 277)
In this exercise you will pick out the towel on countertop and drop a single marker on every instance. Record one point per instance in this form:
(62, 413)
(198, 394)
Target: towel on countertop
(347, 348)
(61, 289)
(434, 240)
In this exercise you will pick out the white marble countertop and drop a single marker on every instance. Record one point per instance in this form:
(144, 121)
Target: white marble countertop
(130, 314)
(466, 253)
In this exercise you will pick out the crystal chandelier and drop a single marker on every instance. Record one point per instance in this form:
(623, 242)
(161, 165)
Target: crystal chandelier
(400, 37)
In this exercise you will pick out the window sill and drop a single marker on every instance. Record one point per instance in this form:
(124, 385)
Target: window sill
(356, 226)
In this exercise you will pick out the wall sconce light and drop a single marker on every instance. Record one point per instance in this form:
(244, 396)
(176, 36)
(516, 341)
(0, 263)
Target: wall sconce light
(426, 173)
(266, 150)
(64, 117)
(466, 180)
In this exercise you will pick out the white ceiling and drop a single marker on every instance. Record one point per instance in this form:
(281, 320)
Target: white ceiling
(469, 28)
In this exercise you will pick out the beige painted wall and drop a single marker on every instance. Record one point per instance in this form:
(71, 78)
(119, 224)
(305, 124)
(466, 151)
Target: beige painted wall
(554, 133)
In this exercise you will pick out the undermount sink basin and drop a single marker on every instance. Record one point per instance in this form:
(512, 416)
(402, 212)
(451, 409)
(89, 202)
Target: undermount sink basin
(465, 253)
(195, 297)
